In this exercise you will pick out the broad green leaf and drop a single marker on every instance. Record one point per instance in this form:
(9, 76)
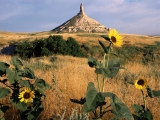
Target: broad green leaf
(13, 75)
(93, 98)
(136, 117)
(147, 115)
(120, 110)
(110, 71)
(3, 67)
(41, 91)
(16, 62)
(20, 105)
(114, 66)
(137, 108)
(25, 83)
(106, 49)
(40, 83)
(104, 71)
(156, 93)
(28, 73)
(92, 62)
(152, 93)
(37, 108)
(4, 92)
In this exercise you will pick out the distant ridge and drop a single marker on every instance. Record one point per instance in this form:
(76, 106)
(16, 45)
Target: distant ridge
(81, 23)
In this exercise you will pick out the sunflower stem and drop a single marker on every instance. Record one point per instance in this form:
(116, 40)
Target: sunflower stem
(103, 81)
(98, 83)
(109, 50)
(103, 84)
(104, 60)
(144, 100)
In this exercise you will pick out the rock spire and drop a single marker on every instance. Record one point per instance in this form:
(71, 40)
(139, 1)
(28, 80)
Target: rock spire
(81, 23)
(81, 9)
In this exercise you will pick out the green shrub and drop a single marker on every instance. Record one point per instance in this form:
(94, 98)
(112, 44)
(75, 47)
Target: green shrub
(74, 48)
(24, 49)
(45, 52)
(37, 47)
(46, 47)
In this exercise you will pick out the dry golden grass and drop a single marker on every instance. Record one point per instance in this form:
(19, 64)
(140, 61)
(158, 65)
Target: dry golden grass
(9, 37)
(73, 75)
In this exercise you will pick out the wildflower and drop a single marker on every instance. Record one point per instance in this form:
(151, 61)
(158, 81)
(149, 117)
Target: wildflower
(140, 83)
(26, 95)
(115, 38)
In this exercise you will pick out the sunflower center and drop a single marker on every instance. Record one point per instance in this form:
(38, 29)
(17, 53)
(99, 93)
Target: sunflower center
(26, 95)
(113, 39)
(140, 82)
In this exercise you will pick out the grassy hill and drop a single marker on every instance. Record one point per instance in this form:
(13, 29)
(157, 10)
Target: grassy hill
(10, 37)
(73, 74)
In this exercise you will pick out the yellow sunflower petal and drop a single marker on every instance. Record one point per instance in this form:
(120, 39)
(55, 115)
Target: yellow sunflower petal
(140, 83)
(22, 100)
(115, 38)
(26, 95)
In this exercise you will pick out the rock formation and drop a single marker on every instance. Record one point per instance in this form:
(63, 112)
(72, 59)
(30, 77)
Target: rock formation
(81, 23)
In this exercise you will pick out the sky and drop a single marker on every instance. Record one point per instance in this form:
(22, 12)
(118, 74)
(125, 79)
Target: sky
(127, 16)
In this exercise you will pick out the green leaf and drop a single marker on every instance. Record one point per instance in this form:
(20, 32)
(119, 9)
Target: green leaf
(40, 83)
(136, 117)
(106, 38)
(20, 105)
(41, 91)
(4, 92)
(156, 93)
(3, 67)
(28, 73)
(150, 92)
(13, 75)
(92, 62)
(153, 93)
(35, 111)
(104, 71)
(111, 71)
(25, 83)
(137, 108)
(106, 49)
(30, 117)
(16, 62)
(93, 98)
(141, 113)
(130, 82)
(120, 110)
(114, 66)
(148, 115)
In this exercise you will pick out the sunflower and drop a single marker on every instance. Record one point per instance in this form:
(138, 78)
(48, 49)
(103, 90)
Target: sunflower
(115, 38)
(140, 83)
(26, 95)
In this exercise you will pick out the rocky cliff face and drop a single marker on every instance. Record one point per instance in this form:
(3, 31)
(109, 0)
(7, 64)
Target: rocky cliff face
(81, 23)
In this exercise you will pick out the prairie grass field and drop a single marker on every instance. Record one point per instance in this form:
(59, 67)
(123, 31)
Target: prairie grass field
(69, 76)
